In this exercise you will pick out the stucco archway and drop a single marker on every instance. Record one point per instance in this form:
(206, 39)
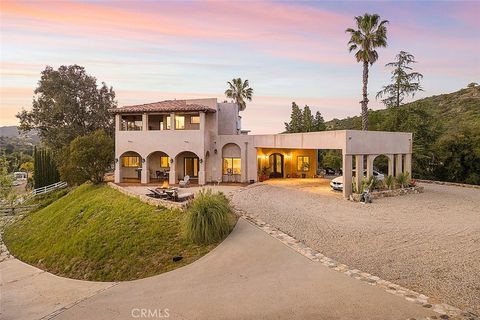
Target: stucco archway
(231, 163)
(130, 167)
(158, 165)
(187, 163)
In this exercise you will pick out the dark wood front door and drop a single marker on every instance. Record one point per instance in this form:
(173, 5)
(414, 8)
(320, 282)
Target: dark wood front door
(276, 165)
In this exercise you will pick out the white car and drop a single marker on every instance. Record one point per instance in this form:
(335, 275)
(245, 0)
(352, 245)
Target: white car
(337, 183)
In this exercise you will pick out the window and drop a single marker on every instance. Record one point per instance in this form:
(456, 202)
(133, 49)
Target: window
(195, 119)
(131, 162)
(164, 162)
(179, 122)
(131, 123)
(232, 166)
(303, 163)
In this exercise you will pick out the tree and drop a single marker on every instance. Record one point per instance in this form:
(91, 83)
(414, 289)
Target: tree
(239, 91)
(68, 104)
(332, 159)
(370, 34)
(472, 85)
(6, 180)
(88, 158)
(296, 120)
(45, 168)
(404, 83)
(307, 123)
(319, 122)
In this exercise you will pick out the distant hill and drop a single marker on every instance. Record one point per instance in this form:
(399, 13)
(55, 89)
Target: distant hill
(451, 109)
(12, 132)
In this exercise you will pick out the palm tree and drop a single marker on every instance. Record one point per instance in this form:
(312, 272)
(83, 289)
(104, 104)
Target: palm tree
(239, 91)
(370, 34)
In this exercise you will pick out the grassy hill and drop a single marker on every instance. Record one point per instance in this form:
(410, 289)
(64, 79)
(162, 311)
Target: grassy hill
(449, 110)
(98, 233)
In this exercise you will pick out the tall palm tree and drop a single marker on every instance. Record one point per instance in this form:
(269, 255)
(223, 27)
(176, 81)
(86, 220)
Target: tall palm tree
(370, 34)
(239, 91)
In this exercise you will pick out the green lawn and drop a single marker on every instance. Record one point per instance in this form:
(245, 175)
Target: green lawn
(98, 233)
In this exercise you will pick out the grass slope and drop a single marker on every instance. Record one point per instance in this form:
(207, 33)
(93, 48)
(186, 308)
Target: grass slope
(98, 233)
(452, 109)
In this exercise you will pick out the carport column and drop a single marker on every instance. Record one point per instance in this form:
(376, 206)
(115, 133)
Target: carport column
(390, 164)
(359, 174)
(407, 165)
(370, 159)
(347, 175)
(244, 163)
(172, 175)
(145, 175)
(398, 164)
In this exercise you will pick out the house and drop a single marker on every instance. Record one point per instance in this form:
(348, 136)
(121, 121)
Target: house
(203, 138)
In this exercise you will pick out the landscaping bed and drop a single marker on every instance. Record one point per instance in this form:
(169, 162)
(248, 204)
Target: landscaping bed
(97, 233)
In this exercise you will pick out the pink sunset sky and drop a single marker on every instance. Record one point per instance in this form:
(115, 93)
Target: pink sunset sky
(152, 51)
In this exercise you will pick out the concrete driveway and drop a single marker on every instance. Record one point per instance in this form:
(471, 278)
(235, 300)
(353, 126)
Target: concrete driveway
(250, 275)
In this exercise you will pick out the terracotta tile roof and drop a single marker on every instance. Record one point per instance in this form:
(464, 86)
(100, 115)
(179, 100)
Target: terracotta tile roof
(163, 106)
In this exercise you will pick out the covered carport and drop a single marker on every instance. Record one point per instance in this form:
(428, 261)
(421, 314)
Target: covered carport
(361, 146)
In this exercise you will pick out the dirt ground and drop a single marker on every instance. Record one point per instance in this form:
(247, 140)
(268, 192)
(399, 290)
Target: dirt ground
(427, 242)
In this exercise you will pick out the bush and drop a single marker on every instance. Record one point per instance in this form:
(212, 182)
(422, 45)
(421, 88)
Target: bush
(87, 158)
(403, 180)
(208, 218)
(390, 182)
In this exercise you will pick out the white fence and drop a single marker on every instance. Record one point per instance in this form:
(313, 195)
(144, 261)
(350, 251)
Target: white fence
(58, 185)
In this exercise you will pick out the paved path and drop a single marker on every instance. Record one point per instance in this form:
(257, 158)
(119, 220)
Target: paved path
(249, 276)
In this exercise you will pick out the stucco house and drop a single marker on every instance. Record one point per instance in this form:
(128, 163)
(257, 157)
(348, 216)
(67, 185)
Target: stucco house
(203, 138)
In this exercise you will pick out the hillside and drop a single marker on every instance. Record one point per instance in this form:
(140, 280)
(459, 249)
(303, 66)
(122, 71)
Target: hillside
(85, 235)
(449, 110)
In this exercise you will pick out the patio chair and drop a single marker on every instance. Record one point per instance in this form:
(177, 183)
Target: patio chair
(185, 196)
(155, 194)
(185, 182)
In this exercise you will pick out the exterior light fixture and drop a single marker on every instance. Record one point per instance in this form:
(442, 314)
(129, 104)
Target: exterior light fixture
(215, 151)
(143, 160)
(171, 160)
(116, 160)
(201, 160)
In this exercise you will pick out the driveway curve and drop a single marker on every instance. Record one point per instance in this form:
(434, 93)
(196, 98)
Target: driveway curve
(427, 242)
(249, 275)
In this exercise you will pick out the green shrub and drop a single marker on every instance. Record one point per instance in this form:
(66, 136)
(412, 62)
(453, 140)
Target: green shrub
(403, 179)
(390, 182)
(208, 218)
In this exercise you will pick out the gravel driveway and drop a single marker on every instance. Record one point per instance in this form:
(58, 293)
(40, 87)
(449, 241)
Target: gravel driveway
(427, 242)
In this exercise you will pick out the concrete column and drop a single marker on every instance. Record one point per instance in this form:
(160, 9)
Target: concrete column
(407, 164)
(245, 166)
(398, 164)
(118, 173)
(370, 159)
(172, 121)
(202, 122)
(359, 169)
(347, 175)
(201, 172)
(145, 175)
(172, 177)
(390, 164)
(117, 122)
(144, 122)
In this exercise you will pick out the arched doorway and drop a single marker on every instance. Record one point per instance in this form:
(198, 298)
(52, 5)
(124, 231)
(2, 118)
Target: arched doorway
(187, 163)
(158, 166)
(276, 165)
(130, 167)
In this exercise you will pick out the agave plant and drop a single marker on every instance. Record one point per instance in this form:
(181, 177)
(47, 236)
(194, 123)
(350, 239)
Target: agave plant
(403, 179)
(390, 182)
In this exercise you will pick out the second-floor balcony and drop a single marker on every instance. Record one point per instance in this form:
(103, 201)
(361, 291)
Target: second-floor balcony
(159, 122)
